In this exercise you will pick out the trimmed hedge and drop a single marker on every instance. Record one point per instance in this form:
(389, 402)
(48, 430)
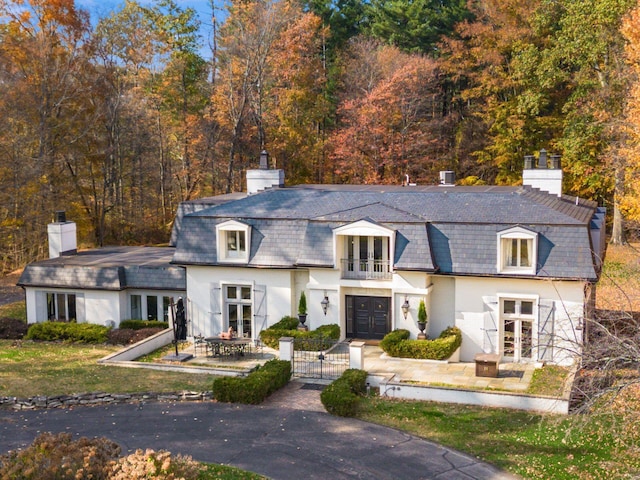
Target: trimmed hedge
(343, 395)
(287, 327)
(69, 332)
(256, 386)
(140, 324)
(397, 344)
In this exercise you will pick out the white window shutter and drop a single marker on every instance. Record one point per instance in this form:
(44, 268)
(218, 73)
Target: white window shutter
(546, 310)
(260, 308)
(215, 314)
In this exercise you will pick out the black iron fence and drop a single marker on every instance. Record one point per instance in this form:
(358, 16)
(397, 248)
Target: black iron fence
(319, 358)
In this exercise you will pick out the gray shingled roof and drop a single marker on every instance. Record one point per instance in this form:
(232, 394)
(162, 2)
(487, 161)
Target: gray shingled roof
(109, 268)
(450, 229)
(191, 206)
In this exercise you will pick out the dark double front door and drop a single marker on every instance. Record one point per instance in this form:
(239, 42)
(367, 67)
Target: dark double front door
(368, 317)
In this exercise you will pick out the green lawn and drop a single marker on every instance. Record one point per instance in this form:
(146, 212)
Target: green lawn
(42, 368)
(531, 445)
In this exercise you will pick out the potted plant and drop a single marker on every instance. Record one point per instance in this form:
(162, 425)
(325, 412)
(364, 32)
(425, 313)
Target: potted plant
(302, 311)
(422, 319)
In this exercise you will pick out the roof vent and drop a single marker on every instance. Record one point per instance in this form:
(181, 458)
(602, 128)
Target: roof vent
(447, 178)
(60, 216)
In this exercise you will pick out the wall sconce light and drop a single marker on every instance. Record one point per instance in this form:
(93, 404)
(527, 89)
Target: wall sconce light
(325, 303)
(580, 325)
(405, 307)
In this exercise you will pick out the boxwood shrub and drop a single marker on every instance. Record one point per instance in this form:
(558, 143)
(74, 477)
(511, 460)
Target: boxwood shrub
(69, 332)
(287, 327)
(256, 386)
(397, 344)
(343, 395)
(140, 324)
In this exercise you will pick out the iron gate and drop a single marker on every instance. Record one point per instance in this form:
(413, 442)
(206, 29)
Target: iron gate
(319, 358)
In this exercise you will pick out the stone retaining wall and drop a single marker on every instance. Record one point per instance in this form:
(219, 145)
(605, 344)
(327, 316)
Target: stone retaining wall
(99, 398)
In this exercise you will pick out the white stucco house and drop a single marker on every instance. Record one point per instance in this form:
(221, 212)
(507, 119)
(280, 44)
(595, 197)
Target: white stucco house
(513, 267)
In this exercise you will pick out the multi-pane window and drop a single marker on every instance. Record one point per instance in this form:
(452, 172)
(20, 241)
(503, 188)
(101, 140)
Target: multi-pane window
(238, 304)
(149, 307)
(61, 307)
(367, 257)
(517, 329)
(233, 241)
(517, 251)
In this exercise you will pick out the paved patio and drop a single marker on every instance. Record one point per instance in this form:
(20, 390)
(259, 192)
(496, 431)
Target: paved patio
(513, 377)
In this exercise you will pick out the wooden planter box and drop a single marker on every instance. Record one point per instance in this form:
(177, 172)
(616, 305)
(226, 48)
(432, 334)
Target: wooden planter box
(487, 364)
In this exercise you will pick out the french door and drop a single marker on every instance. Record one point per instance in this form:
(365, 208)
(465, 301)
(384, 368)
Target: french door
(239, 309)
(368, 256)
(517, 330)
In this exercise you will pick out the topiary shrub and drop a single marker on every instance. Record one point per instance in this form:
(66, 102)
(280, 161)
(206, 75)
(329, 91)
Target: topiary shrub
(397, 344)
(140, 324)
(256, 386)
(343, 395)
(59, 457)
(12, 328)
(287, 327)
(69, 332)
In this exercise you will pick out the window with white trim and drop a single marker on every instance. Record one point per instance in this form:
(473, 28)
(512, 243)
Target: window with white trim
(233, 241)
(238, 309)
(517, 325)
(517, 249)
(61, 307)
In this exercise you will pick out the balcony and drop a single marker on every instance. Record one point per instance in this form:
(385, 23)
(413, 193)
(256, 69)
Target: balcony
(356, 269)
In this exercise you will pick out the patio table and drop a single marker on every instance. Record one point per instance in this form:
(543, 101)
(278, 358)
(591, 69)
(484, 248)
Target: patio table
(233, 347)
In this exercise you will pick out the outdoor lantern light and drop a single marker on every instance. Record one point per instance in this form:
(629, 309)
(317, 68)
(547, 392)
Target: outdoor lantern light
(405, 307)
(325, 303)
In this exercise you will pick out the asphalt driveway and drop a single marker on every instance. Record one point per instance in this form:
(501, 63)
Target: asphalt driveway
(280, 443)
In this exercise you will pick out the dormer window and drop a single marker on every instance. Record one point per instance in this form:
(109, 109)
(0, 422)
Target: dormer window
(233, 241)
(517, 249)
(236, 244)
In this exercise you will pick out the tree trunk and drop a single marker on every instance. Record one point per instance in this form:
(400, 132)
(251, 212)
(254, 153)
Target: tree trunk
(617, 232)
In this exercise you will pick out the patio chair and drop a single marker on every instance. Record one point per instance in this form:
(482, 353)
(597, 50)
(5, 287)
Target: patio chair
(258, 346)
(200, 343)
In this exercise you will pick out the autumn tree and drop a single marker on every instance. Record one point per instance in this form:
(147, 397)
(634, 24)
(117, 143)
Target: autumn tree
(44, 55)
(267, 85)
(388, 117)
(629, 200)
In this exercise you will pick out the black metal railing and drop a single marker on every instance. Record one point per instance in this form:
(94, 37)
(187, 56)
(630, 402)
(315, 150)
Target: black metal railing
(319, 358)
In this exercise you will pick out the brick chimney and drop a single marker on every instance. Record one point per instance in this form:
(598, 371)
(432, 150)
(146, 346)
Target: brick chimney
(546, 175)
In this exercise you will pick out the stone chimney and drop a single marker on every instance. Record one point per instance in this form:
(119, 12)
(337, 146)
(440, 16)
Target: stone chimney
(62, 236)
(264, 177)
(546, 175)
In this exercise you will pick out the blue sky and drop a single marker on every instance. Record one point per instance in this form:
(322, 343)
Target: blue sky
(102, 8)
